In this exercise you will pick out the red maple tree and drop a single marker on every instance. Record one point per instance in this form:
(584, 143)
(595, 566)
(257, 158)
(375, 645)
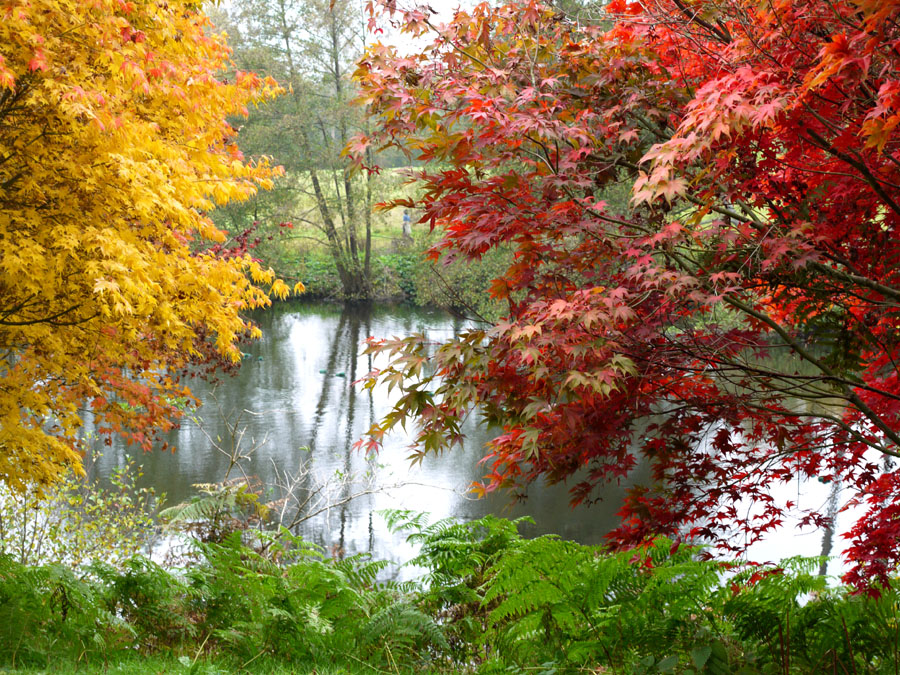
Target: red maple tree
(734, 322)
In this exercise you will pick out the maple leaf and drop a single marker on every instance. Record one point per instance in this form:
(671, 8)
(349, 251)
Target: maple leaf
(38, 61)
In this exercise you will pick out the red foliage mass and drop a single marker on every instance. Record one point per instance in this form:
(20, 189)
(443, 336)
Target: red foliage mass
(759, 146)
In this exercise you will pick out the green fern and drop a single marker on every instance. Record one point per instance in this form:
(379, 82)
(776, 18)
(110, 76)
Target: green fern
(401, 626)
(49, 610)
(459, 557)
(491, 601)
(220, 509)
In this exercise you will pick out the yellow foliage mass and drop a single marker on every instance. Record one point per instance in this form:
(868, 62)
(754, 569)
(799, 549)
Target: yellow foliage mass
(113, 146)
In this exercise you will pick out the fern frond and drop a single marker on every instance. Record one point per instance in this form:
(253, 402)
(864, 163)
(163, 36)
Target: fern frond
(404, 625)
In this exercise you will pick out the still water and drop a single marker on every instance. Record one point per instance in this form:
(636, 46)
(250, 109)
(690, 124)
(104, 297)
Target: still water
(295, 401)
(297, 411)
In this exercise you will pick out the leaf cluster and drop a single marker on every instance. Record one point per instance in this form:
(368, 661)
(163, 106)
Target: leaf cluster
(232, 603)
(78, 519)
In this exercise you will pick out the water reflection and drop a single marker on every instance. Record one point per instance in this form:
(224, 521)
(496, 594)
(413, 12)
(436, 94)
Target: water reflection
(303, 409)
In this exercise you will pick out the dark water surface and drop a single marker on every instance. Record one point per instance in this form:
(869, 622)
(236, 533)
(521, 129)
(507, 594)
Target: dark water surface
(295, 390)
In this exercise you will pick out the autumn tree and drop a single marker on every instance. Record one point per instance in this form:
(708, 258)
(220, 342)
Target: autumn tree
(735, 325)
(309, 47)
(113, 279)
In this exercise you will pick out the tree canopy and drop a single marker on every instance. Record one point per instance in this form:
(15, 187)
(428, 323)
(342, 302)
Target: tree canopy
(113, 148)
(735, 324)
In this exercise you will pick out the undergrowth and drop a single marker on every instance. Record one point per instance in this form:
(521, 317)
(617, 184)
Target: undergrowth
(490, 601)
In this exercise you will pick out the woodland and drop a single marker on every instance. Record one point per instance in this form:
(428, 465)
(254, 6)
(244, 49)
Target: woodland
(645, 207)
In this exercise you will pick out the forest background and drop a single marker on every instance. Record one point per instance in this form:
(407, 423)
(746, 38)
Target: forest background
(321, 222)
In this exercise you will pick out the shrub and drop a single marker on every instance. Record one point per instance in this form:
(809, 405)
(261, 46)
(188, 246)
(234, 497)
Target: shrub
(462, 285)
(78, 519)
(319, 275)
(491, 601)
(48, 611)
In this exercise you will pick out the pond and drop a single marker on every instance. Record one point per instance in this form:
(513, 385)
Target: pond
(295, 399)
(296, 404)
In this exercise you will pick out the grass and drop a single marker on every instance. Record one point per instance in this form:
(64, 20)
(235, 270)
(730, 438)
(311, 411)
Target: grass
(140, 664)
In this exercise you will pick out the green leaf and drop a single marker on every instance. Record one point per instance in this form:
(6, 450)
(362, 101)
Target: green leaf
(699, 655)
(667, 665)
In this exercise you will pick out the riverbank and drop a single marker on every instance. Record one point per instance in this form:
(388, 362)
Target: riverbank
(406, 274)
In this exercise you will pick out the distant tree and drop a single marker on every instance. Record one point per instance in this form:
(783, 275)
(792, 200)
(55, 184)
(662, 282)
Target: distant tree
(113, 279)
(737, 325)
(310, 46)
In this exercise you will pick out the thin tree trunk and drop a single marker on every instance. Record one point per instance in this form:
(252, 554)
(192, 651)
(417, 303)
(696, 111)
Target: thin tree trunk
(828, 535)
(351, 215)
(337, 251)
(332, 171)
(368, 257)
(350, 222)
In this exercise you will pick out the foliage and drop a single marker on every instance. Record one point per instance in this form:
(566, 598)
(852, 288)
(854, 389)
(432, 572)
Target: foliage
(320, 276)
(491, 601)
(758, 143)
(113, 148)
(49, 609)
(406, 275)
(461, 285)
(151, 602)
(295, 611)
(233, 602)
(459, 558)
(78, 520)
(400, 271)
(514, 604)
(220, 509)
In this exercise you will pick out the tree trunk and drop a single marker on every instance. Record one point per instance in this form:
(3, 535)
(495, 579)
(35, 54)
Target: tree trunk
(337, 250)
(368, 257)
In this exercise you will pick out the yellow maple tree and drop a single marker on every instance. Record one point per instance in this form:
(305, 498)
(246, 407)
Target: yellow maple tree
(114, 145)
